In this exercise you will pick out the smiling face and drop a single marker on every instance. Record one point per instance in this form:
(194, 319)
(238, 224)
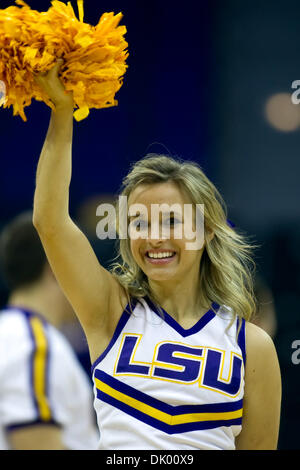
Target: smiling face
(161, 257)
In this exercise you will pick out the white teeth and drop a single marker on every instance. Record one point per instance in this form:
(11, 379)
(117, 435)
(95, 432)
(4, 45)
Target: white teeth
(166, 254)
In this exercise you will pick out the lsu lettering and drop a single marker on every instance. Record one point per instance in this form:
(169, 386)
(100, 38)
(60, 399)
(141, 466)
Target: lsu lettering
(176, 362)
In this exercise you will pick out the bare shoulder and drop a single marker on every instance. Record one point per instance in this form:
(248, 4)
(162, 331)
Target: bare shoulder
(256, 336)
(259, 345)
(262, 394)
(262, 361)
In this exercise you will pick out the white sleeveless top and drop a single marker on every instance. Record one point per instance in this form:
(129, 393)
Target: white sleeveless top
(160, 386)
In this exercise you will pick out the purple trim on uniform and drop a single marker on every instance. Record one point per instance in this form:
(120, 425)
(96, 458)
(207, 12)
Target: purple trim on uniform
(173, 410)
(47, 370)
(31, 360)
(121, 324)
(201, 323)
(168, 428)
(242, 338)
(36, 422)
(165, 427)
(31, 314)
(25, 311)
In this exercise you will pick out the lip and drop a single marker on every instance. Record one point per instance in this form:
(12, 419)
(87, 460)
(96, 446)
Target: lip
(160, 261)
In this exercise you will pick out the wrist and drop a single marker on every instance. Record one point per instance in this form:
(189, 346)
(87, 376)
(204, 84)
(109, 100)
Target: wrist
(63, 110)
(64, 107)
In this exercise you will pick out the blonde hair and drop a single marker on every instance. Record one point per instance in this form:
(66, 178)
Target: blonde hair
(226, 267)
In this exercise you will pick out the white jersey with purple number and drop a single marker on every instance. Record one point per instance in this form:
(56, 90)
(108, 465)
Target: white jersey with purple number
(160, 386)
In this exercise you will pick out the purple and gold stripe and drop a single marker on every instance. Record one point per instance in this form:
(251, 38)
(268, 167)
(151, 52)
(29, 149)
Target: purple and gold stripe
(39, 368)
(160, 415)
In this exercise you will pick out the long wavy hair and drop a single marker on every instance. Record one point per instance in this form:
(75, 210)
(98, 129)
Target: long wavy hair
(226, 267)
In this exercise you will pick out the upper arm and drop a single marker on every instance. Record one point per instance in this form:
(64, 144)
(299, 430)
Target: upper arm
(262, 398)
(37, 437)
(87, 285)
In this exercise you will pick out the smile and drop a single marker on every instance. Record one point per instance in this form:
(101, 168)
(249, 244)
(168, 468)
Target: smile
(162, 257)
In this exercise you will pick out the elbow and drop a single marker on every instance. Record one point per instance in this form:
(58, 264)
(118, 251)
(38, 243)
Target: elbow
(49, 215)
(43, 225)
(48, 225)
(38, 214)
(39, 223)
(39, 219)
(35, 220)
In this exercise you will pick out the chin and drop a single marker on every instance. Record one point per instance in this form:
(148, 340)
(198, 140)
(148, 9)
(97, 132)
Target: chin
(163, 276)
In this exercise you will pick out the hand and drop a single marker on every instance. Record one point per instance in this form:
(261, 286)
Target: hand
(53, 86)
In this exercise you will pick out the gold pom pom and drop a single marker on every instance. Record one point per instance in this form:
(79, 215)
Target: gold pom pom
(31, 42)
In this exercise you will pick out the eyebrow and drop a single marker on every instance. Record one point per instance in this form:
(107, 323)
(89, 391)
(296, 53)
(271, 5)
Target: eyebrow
(169, 213)
(136, 216)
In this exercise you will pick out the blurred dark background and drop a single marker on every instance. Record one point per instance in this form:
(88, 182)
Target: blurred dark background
(208, 81)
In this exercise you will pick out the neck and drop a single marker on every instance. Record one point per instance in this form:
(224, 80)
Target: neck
(36, 299)
(180, 301)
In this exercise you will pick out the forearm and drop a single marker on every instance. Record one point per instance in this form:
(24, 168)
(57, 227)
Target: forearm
(51, 198)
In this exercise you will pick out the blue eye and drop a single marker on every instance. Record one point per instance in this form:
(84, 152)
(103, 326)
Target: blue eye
(172, 221)
(140, 224)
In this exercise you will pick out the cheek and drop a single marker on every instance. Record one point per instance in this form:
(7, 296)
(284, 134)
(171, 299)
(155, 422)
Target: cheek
(190, 258)
(135, 251)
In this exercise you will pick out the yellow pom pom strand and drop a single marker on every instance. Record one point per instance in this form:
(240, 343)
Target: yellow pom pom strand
(80, 10)
(81, 113)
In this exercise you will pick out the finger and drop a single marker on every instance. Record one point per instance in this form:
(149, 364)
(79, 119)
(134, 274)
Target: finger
(43, 83)
(53, 74)
(38, 78)
(55, 69)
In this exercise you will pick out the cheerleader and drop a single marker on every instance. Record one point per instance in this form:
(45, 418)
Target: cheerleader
(176, 362)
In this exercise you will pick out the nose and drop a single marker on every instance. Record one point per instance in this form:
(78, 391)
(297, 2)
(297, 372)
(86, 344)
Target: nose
(153, 244)
(158, 233)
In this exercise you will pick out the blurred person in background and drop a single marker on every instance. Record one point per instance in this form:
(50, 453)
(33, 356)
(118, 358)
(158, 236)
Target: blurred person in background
(45, 395)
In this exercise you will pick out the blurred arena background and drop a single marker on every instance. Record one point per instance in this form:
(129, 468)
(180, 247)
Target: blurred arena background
(209, 81)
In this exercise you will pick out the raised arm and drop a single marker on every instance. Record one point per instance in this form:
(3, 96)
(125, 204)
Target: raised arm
(89, 287)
